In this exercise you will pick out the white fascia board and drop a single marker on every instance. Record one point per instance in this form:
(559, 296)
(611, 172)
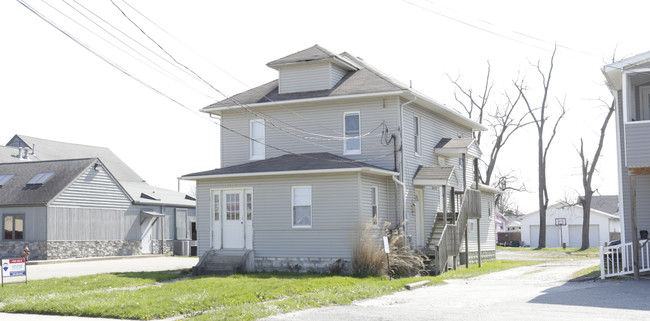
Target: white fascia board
(488, 189)
(430, 182)
(445, 111)
(454, 152)
(304, 101)
(305, 172)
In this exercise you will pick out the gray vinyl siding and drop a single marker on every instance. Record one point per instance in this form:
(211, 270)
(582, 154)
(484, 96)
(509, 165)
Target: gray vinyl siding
(323, 119)
(302, 78)
(385, 200)
(34, 224)
(93, 189)
(92, 224)
(636, 144)
(335, 214)
(336, 74)
(432, 129)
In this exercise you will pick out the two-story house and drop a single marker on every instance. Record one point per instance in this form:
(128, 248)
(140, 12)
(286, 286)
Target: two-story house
(629, 82)
(330, 147)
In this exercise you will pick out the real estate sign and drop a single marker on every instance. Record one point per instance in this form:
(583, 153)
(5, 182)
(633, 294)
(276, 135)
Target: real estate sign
(12, 268)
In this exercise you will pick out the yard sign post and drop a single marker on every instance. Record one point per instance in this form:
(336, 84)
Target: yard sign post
(13, 268)
(387, 250)
(561, 221)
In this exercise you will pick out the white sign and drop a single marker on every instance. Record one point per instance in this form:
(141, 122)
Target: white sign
(386, 247)
(13, 267)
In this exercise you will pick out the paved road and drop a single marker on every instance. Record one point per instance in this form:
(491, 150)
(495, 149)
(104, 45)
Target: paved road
(540, 292)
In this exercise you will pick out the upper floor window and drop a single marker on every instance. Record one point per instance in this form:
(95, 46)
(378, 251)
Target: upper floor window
(416, 135)
(301, 206)
(13, 227)
(352, 143)
(257, 143)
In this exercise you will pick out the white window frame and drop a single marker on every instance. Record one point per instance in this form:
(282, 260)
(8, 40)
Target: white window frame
(416, 136)
(374, 206)
(215, 209)
(345, 136)
(293, 205)
(644, 100)
(257, 140)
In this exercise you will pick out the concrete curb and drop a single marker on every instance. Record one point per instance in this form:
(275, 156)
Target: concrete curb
(90, 259)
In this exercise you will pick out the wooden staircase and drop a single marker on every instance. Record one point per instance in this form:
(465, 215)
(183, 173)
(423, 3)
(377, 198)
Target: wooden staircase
(222, 262)
(443, 245)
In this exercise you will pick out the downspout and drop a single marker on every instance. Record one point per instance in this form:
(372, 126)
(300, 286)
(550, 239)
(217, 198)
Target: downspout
(402, 175)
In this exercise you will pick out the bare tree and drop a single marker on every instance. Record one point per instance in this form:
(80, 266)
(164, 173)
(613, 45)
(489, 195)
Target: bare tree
(502, 119)
(588, 170)
(540, 117)
(508, 183)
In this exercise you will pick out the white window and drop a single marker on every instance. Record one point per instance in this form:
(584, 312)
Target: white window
(215, 205)
(416, 135)
(373, 205)
(352, 133)
(249, 206)
(257, 139)
(301, 206)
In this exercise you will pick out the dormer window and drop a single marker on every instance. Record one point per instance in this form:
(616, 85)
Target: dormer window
(40, 178)
(352, 140)
(5, 178)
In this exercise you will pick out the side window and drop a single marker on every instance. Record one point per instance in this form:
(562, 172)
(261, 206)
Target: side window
(416, 135)
(301, 206)
(249, 206)
(215, 206)
(373, 205)
(14, 227)
(257, 135)
(352, 131)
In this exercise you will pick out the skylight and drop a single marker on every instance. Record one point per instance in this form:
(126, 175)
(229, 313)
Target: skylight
(40, 178)
(4, 178)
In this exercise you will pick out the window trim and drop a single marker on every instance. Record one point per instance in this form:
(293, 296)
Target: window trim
(215, 209)
(417, 133)
(345, 137)
(257, 140)
(374, 208)
(13, 223)
(311, 204)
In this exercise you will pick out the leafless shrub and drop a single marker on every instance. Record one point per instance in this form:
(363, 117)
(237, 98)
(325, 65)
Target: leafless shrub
(367, 257)
(404, 261)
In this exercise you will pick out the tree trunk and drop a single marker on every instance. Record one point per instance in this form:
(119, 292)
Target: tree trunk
(586, 211)
(542, 187)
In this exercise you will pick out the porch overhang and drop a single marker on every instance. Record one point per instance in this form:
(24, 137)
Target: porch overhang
(457, 147)
(151, 214)
(433, 176)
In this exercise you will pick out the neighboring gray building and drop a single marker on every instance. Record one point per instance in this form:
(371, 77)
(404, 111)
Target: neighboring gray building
(332, 146)
(161, 220)
(629, 82)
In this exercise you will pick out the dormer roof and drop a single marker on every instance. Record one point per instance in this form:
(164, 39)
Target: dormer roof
(314, 54)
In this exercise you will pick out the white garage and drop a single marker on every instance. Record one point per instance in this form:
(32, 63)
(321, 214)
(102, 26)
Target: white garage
(571, 233)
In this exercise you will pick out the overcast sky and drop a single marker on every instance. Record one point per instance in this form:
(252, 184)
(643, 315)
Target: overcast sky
(53, 88)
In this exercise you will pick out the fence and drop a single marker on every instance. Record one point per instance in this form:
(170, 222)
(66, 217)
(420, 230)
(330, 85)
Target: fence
(617, 259)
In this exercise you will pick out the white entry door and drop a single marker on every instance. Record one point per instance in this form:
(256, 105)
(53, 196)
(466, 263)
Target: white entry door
(233, 219)
(146, 228)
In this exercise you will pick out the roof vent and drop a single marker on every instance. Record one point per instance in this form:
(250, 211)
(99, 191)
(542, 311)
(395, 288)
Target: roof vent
(189, 198)
(149, 196)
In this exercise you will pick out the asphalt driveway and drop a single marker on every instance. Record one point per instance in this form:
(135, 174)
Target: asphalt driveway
(539, 292)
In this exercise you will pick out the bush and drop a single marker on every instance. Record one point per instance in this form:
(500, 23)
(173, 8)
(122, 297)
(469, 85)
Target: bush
(368, 258)
(404, 261)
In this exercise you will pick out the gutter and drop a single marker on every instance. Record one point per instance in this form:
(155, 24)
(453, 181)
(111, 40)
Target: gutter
(401, 173)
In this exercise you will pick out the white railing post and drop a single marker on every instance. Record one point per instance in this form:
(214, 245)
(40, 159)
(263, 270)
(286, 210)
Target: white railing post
(602, 264)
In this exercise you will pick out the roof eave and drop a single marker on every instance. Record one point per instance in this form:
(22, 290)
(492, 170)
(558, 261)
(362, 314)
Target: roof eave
(442, 109)
(295, 172)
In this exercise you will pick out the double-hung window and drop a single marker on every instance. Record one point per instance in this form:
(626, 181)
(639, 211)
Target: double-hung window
(352, 131)
(257, 136)
(373, 204)
(416, 135)
(13, 227)
(301, 206)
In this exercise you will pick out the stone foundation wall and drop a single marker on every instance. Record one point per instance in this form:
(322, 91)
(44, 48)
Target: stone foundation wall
(294, 264)
(14, 249)
(473, 256)
(81, 249)
(168, 247)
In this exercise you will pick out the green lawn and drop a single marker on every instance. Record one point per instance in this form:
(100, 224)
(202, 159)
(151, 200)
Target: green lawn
(243, 297)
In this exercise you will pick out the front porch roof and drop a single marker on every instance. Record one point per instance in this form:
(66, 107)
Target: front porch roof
(312, 163)
(456, 147)
(433, 175)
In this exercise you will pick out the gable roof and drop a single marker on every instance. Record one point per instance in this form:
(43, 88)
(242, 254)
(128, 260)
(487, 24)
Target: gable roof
(292, 164)
(362, 80)
(433, 175)
(17, 192)
(605, 203)
(561, 205)
(312, 54)
(44, 149)
(455, 147)
(159, 196)
(613, 72)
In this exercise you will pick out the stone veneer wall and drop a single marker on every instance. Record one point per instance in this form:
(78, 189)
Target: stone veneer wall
(295, 264)
(473, 256)
(168, 248)
(14, 249)
(80, 249)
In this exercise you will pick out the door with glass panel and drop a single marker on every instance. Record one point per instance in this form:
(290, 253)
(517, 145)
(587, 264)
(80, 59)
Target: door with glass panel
(233, 216)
